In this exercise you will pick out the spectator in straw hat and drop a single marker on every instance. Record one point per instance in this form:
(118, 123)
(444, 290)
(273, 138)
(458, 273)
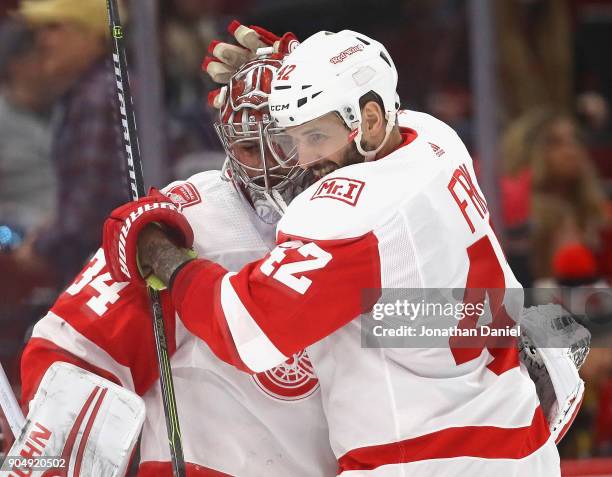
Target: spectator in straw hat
(86, 152)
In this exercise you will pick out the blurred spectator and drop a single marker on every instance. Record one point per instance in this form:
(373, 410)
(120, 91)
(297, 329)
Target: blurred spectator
(187, 27)
(7, 6)
(535, 54)
(86, 151)
(447, 93)
(594, 108)
(592, 69)
(27, 182)
(576, 284)
(550, 191)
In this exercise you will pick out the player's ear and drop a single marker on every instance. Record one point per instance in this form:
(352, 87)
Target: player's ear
(372, 120)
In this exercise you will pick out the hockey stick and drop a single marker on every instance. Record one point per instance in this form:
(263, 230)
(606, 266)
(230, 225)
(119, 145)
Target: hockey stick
(10, 406)
(135, 179)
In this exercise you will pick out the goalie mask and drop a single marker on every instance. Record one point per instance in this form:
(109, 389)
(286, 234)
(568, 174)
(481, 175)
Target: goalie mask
(268, 180)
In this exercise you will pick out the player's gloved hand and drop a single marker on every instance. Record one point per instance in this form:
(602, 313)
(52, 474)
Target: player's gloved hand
(226, 58)
(159, 257)
(121, 229)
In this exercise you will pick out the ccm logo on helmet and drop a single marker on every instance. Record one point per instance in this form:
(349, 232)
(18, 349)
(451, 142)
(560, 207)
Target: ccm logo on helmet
(343, 55)
(279, 107)
(340, 188)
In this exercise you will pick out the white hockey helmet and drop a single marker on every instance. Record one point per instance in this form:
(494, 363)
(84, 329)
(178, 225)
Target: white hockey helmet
(331, 72)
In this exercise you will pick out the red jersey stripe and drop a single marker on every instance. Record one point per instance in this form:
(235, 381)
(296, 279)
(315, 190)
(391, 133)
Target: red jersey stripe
(39, 355)
(486, 442)
(164, 469)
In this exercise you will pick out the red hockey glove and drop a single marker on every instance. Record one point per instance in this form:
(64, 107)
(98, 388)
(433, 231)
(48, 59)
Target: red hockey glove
(121, 229)
(226, 58)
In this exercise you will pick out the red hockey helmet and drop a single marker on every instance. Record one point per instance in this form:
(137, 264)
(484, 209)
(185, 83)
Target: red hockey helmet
(242, 118)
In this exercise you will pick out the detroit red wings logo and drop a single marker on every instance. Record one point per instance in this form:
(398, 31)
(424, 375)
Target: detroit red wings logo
(184, 195)
(291, 381)
(248, 87)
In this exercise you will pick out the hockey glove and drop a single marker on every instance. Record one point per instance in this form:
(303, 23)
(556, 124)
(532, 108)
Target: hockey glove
(552, 347)
(121, 229)
(226, 58)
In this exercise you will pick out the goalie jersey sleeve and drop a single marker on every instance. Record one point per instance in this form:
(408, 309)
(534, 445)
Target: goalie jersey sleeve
(99, 325)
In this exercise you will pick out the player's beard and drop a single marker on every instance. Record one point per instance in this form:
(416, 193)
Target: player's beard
(261, 203)
(324, 167)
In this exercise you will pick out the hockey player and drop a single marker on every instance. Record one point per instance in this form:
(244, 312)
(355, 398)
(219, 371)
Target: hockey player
(232, 423)
(397, 206)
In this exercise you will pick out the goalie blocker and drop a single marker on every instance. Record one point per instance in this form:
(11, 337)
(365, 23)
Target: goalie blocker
(78, 424)
(553, 347)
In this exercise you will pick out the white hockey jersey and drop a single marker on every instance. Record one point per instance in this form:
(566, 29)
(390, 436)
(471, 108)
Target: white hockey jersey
(415, 219)
(232, 423)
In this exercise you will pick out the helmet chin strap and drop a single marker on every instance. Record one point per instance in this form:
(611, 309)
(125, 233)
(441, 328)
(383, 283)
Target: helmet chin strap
(370, 155)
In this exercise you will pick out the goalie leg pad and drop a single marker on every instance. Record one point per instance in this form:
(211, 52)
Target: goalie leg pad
(78, 424)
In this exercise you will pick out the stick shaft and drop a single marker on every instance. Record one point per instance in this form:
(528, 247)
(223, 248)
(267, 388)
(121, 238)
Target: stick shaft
(10, 406)
(126, 106)
(136, 183)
